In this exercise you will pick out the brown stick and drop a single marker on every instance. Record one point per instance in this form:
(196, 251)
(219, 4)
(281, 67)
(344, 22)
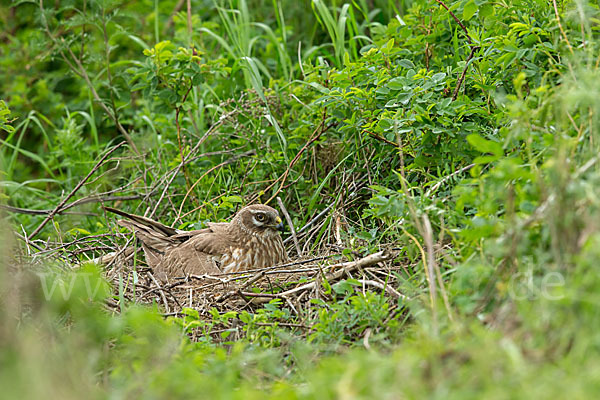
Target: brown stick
(176, 9)
(562, 31)
(473, 48)
(19, 210)
(345, 268)
(316, 135)
(456, 19)
(189, 18)
(381, 138)
(291, 225)
(244, 286)
(85, 200)
(79, 185)
(464, 72)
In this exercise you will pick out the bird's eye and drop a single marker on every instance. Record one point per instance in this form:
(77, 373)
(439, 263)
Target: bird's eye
(260, 217)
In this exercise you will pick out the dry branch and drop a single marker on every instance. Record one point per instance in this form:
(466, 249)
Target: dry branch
(79, 185)
(347, 267)
(291, 225)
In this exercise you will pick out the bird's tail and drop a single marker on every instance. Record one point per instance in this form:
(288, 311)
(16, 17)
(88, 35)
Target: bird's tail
(139, 220)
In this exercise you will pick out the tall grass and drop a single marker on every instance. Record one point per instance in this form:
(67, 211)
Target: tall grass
(507, 244)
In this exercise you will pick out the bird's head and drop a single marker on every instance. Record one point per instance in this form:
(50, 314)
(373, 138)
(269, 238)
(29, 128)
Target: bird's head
(259, 218)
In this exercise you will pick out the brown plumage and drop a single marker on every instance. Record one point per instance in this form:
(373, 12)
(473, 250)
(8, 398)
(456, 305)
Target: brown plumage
(249, 241)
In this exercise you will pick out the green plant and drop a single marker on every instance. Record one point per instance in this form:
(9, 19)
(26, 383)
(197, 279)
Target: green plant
(462, 134)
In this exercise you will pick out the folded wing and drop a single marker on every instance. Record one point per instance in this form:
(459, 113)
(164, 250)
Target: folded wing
(171, 252)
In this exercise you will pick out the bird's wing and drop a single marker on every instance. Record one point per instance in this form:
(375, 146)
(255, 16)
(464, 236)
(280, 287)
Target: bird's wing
(214, 240)
(172, 252)
(201, 252)
(186, 235)
(184, 260)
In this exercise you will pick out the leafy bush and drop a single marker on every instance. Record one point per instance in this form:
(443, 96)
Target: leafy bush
(462, 134)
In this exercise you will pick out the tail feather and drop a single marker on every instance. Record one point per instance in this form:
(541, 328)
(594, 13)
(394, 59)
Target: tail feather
(164, 229)
(155, 237)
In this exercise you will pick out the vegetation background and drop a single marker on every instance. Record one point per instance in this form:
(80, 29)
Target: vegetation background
(464, 133)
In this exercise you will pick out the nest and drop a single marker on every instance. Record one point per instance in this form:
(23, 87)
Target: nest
(294, 284)
(291, 282)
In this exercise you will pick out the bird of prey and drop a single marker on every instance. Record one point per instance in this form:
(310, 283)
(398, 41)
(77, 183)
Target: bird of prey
(251, 240)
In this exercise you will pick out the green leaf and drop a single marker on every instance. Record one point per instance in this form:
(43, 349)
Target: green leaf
(245, 317)
(406, 63)
(438, 77)
(190, 312)
(469, 10)
(485, 145)
(486, 10)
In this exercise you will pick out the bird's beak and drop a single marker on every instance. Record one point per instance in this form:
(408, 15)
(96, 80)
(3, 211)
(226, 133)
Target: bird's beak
(279, 225)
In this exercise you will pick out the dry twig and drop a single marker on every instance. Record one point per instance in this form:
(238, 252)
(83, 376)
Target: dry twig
(79, 185)
(291, 225)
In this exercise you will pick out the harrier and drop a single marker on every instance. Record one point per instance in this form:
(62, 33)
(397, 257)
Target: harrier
(250, 240)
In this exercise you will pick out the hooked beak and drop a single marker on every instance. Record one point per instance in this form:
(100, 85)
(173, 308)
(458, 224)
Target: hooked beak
(279, 225)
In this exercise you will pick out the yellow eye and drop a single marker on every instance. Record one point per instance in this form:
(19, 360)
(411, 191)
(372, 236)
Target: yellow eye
(260, 217)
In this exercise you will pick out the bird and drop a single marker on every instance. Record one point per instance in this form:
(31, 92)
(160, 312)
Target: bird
(251, 240)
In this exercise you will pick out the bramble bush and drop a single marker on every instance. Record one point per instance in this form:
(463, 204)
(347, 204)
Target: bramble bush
(462, 133)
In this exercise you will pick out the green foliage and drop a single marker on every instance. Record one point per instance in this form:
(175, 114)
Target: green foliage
(5, 118)
(470, 147)
(170, 75)
(354, 314)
